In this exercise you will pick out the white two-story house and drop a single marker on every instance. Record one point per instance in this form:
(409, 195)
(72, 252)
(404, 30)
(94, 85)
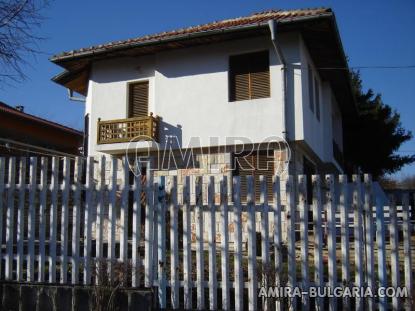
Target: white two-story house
(276, 76)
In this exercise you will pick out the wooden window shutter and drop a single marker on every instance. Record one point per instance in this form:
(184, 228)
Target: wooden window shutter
(256, 164)
(249, 76)
(138, 99)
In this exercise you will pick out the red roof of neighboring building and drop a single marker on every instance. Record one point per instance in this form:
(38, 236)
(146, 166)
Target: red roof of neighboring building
(256, 18)
(11, 110)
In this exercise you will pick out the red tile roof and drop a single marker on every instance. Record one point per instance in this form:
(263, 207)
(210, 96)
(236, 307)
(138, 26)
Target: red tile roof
(254, 19)
(4, 108)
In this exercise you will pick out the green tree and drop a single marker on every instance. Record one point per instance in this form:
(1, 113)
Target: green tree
(372, 139)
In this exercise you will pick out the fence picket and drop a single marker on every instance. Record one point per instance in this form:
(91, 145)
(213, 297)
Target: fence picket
(112, 214)
(277, 234)
(149, 232)
(136, 227)
(252, 265)
(303, 206)
(174, 241)
(2, 169)
(31, 223)
(100, 210)
(291, 217)
(187, 248)
(10, 219)
(20, 219)
(380, 240)
(368, 227)
(331, 237)
(76, 220)
(239, 278)
(42, 218)
(161, 242)
(394, 246)
(344, 233)
(124, 212)
(224, 228)
(407, 250)
(64, 221)
(199, 245)
(358, 238)
(264, 235)
(212, 245)
(90, 187)
(318, 238)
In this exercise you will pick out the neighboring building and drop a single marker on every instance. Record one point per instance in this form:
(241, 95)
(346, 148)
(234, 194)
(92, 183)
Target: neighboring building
(223, 79)
(23, 134)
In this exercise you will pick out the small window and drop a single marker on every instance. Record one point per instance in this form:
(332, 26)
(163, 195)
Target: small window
(249, 76)
(310, 89)
(138, 99)
(317, 91)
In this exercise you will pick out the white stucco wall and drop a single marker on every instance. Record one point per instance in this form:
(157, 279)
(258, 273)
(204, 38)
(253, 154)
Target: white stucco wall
(189, 90)
(319, 134)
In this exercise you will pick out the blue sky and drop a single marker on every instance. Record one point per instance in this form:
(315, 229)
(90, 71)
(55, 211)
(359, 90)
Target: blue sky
(374, 33)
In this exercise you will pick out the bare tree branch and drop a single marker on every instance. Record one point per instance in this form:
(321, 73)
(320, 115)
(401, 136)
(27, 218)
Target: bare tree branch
(19, 19)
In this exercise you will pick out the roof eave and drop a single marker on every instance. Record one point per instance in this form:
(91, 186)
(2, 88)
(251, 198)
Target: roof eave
(62, 59)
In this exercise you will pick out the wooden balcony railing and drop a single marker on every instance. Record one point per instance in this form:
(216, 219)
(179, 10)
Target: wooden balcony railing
(126, 130)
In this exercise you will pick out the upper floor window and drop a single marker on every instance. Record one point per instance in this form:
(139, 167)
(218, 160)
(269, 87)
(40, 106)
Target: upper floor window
(249, 76)
(138, 99)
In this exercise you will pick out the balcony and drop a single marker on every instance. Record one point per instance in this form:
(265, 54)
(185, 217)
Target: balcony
(126, 130)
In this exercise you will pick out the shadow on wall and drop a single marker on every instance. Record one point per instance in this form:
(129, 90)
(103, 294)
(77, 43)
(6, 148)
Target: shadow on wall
(170, 136)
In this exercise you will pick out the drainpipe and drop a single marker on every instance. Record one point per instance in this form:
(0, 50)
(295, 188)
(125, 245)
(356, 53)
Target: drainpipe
(273, 29)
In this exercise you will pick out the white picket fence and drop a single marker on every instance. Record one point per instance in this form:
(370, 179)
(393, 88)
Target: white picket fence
(59, 221)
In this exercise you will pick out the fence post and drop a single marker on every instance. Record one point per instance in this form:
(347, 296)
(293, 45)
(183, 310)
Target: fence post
(394, 245)
(20, 218)
(358, 238)
(212, 245)
(331, 238)
(239, 278)
(318, 242)
(42, 218)
(187, 248)
(31, 225)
